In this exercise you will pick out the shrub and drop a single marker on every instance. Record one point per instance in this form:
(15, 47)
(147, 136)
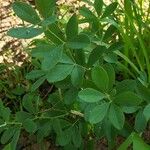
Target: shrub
(79, 68)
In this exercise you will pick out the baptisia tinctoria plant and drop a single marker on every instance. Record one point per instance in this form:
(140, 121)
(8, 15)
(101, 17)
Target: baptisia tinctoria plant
(86, 100)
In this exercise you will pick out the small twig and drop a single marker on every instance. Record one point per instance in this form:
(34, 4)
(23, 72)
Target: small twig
(50, 89)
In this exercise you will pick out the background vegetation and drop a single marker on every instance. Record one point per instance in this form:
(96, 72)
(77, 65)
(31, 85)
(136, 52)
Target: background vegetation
(85, 81)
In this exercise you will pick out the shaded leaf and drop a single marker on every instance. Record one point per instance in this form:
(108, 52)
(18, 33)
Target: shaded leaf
(76, 138)
(127, 98)
(146, 112)
(111, 74)
(45, 7)
(140, 122)
(98, 113)
(48, 21)
(79, 42)
(29, 126)
(98, 5)
(116, 116)
(109, 9)
(70, 96)
(52, 58)
(100, 78)
(77, 76)
(38, 83)
(96, 54)
(7, 135)
(115, 46)
(35, 74)
(72, 27)
(60, 72)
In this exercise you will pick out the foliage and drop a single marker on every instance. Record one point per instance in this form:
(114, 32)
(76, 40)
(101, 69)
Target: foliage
(79, 67)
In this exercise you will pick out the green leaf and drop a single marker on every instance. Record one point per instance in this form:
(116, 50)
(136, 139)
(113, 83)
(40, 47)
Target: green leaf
(41, 50)
(116, 116)
(70, 96)
(76, 138)
(48, 21)
(7, 135)
(65, 59)
(98, 5)
(146, 112)
(26, 12)
(55, 34)
(100, 78)
(111, 58)
(57, 126)
(79, 56)
(84, 11)
(7, 147)
(91, 95)
(35, 74)
(143, 92)
(29, 126)
(19, 90)
(126, 143)
(21, 116)
(109, 9)
(126, 85)
(79, 42)
(130, 109)
(13, 143)
(28, 103)
(45, 7)
(77, 75)
(127, 98)
(44, 130)
(72, 27)
(139, 144)
(52, 58)
(65, 137)
(15, 139)
(98, 113)
(6, 113)
(37, 84)
(115, 46)
(60, 72)
(140, 122)
(111, 74)
(90, 18)
(111, 30)
(24, 32)
(96, 54)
